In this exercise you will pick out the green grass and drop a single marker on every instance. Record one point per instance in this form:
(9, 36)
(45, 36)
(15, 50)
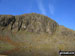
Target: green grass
(5, 47)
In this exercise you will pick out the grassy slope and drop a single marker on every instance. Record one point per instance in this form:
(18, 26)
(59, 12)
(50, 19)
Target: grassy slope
(31, 44)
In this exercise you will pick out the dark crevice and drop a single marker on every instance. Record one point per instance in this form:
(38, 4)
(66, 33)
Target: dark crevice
(20, 23)
(12, 23)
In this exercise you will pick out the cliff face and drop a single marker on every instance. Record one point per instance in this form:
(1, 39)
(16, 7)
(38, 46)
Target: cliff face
(33, 35)
(29, 22)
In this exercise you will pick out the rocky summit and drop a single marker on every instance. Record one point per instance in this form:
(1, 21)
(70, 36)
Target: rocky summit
(33, 35)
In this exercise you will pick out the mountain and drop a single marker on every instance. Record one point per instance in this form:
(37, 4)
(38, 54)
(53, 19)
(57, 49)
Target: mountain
(34, 35)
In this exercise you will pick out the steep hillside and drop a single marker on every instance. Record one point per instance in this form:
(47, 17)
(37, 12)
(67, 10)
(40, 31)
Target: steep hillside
(33, 35)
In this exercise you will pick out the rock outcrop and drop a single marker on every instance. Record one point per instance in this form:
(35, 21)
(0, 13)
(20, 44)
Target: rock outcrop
(29, 22)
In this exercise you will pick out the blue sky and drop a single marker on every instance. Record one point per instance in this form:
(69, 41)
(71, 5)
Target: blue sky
(62, 11)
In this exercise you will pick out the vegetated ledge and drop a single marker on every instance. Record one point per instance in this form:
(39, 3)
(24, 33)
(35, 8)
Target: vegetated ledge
(29, 22)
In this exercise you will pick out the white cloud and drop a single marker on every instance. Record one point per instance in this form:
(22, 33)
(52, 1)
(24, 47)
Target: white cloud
(41, 7)
(51, 8)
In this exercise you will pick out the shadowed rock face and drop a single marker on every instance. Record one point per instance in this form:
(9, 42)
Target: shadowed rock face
(33, 35)
(5, 20)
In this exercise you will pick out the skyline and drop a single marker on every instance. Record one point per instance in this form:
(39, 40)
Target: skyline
(62, 11)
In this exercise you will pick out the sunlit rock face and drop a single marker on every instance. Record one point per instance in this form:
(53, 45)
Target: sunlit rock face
(29, 22)
(33, 35)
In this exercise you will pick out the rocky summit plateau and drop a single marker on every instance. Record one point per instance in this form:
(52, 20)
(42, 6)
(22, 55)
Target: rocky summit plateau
(34, 35)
